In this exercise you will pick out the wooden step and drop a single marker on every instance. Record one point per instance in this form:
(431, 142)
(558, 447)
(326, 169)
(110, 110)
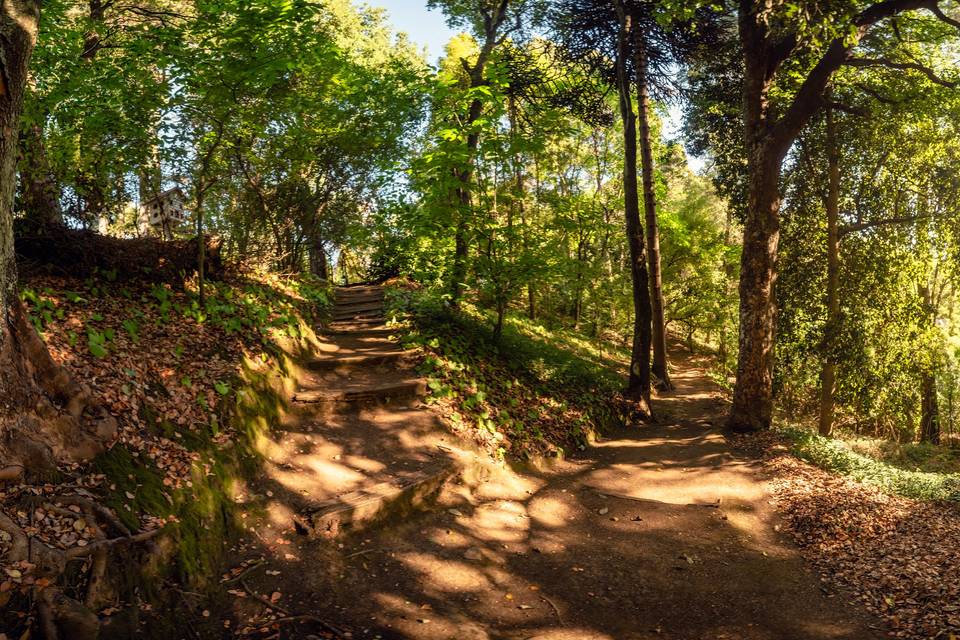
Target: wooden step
(352, 302)
(342, 294)
(376, 505)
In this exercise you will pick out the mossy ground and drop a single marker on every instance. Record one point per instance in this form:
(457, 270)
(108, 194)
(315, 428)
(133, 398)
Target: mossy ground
(209, 381)
(899, 470)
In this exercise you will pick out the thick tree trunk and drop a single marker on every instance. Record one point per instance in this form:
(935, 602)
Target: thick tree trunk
(752, 408)
(42, 410)
(638, 385)
(659, 337)
(828, 371)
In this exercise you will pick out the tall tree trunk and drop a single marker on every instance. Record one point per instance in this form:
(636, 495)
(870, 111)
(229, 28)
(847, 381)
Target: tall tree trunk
(201, 247)
(461, 251)
(828, 371)
(493, 19)
(44, 414)
(638, 385)
(660, 367)
(317, 254)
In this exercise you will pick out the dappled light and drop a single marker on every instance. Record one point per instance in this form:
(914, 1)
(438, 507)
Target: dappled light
(542, 320)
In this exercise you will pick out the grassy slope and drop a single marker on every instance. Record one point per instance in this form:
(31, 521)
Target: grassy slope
(536, 392)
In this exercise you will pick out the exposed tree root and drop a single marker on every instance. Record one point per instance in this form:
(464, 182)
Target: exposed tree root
(45, 416)
(59, 615)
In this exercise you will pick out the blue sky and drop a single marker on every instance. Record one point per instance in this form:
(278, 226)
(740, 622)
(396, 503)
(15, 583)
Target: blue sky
(426, 28)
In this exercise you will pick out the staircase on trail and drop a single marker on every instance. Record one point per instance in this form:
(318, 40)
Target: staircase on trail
(362, 449)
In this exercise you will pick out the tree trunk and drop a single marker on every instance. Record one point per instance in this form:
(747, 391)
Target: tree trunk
(828, 371)
(42, 410)
(461, 252)
(39, 192)
(201, 247)
(318, 256)
(659, 337)
(752, 408)
(929, 404)
(638, 385)
(493, 20)
(930, 410)
(498, 327)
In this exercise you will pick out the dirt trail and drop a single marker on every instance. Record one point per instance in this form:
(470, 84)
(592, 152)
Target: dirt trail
(656, 532)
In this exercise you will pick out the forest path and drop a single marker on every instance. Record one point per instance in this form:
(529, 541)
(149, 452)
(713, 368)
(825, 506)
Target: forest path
(660, 531)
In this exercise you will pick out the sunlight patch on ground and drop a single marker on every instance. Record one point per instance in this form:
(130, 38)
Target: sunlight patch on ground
(549, 512)
(500, 523)
(446, 575)
(320, 478)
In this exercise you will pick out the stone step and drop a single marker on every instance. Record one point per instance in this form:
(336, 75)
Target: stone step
(371, 359)
(363, 330)
(324, 403)
(357, 307)
(377, 505)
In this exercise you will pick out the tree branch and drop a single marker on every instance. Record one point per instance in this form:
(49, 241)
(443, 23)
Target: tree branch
(847, 229)
(901, 66)
(809, 97)
(935, 9)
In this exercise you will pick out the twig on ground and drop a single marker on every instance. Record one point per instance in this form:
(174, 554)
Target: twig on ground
(287, 615)
(248, 569)
(556, 610)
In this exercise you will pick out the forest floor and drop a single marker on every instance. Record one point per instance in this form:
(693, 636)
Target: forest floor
(660, 531)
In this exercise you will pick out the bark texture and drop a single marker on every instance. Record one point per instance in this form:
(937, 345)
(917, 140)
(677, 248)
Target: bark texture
(658, 322)
(638, 384)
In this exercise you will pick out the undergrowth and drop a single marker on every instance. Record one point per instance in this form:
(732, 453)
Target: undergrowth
(837, 456)
(193, 386)
(533, 392)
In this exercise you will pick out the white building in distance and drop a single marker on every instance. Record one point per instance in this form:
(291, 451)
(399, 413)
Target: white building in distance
(162, 214)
